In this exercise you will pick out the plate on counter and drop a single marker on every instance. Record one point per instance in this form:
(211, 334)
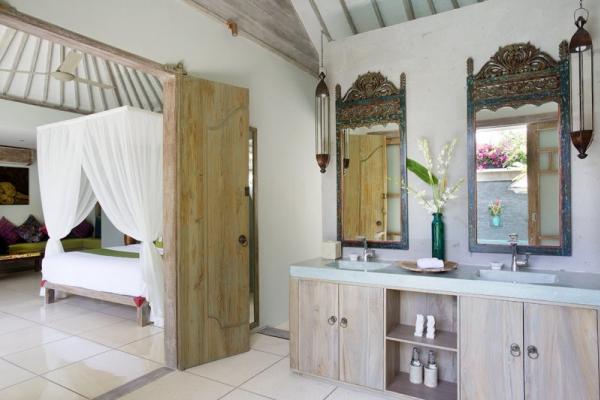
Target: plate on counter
(412, 266)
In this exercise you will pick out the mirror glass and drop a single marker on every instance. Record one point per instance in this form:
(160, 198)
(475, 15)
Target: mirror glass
(371, 183)
(518, 175)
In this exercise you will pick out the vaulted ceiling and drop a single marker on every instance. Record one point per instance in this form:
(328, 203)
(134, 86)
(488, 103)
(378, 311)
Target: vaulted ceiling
(27, 63)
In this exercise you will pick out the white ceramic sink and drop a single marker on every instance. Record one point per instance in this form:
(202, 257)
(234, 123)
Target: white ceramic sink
(518, 276)
(359, 265)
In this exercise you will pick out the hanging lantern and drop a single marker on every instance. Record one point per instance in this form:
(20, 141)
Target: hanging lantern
(322, 132)
(582, 79)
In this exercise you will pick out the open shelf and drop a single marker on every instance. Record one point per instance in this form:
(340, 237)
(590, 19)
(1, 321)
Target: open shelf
(401, 384)
(405, 333)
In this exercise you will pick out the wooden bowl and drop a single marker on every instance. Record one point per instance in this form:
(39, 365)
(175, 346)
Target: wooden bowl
(412, 266)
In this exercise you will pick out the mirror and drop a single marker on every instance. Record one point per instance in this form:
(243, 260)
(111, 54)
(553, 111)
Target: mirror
(371, 142)
(519, 153)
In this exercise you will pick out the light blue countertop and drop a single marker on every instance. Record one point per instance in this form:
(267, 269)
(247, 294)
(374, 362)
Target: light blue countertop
(572, 287)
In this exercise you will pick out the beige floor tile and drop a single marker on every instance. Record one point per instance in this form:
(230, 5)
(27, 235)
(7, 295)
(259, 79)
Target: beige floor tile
(102, 373)
(180, 386)
(28, 338)
(120, 334)
(51, 356)
(10, 374)
(270, 344)
(7, 303)
(342, 393)
(237, 369)
(121, 311)
(46, 313)
(10, 323)
(84, 322)
(239, 394)
(38, 389)
(152, 348)
(278, 382)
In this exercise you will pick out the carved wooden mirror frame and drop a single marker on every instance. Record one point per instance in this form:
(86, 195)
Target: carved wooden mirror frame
(372, 100)
(516, 75)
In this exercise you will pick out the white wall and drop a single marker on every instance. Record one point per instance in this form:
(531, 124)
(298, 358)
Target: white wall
(281, 108)
(17, 128)
(433, 52)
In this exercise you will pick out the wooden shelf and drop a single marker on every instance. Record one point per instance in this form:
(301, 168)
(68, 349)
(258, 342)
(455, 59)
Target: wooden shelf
(405, 334)
(444, 391)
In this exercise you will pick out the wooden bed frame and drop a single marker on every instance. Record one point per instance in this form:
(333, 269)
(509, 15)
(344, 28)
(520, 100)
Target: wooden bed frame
(142, 306)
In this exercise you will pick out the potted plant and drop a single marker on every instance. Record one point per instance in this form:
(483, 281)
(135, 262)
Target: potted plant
(495, 209)
(441, 190)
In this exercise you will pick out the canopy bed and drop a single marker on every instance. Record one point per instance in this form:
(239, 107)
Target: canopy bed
(113, 158)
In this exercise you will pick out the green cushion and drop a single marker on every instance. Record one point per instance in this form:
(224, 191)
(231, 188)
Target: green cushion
(71, 244)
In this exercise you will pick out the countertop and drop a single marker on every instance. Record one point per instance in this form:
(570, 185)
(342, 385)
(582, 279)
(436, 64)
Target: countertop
(572, 287)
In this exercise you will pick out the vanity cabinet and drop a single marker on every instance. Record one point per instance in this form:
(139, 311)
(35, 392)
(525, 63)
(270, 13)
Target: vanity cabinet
(339, 332)
(515, 350)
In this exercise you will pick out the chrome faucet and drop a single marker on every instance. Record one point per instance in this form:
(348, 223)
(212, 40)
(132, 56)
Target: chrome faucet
(366, 254)
(515, 263)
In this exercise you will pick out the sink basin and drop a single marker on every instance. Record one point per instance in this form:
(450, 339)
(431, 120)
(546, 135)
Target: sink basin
(518, 276)
(359, 265)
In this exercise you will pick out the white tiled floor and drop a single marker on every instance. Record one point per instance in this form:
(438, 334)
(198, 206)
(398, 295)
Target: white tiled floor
(80, 348)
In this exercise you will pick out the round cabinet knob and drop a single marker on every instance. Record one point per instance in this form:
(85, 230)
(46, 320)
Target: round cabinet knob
(515, 350)
(343, 322)
(532, 352)
(332, 320)
(243, 240)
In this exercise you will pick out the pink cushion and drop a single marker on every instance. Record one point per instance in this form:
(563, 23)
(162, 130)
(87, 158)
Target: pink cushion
(8, 232)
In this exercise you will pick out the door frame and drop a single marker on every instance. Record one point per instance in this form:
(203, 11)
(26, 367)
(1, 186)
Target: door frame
(167, 74)
(254, 238)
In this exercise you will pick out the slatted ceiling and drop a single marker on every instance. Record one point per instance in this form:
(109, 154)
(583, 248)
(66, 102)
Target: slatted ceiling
(343, 18)
(37, 57)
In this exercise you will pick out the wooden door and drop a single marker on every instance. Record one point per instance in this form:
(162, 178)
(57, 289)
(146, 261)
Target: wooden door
(361, 336)
(318, 328)
(564, 364)
(488, 329)
(210, 149)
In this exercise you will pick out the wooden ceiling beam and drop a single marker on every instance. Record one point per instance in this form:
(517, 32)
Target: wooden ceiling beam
(133, 88)
(16, 62)
(122, 82)
(324, 29)
(136, 75)
(10, 17)
(6, 42)
(99, 79)
(409, 9)
(16, 155)
(377, 11)
(113, 82)
(153, 90)
(48, 70)
(86, 69)
(33, 66)
(348, 17)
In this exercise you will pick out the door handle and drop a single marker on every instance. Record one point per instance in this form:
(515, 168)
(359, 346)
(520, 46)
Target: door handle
(243, 240)
(332, 320)
(515, 350)
(343, 322)
(532, 352)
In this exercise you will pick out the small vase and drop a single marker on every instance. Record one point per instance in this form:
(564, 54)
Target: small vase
(437, 237)
(496, 220)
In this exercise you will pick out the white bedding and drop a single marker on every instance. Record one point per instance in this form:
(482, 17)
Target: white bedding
(118, 275)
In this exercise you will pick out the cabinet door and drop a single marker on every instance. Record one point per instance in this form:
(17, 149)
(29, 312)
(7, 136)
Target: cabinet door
(488, 368)
(361, 336)
(318, 329)
(564, 362)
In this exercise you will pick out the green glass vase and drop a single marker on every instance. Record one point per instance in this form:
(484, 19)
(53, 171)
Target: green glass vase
(438, 247)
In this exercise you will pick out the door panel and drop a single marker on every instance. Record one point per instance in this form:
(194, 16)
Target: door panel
(318, 335)
(488, 328)
(361, 338)
(566, 340)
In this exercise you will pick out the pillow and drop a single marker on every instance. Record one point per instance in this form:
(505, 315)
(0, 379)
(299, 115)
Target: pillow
(8, 232)
(30, 230)
(83, 230)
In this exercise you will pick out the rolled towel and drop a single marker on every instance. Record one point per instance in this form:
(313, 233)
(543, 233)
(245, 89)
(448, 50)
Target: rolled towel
(430, 263)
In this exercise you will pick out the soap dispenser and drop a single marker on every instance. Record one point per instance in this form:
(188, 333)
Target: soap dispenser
(416, 367)
(431, 371)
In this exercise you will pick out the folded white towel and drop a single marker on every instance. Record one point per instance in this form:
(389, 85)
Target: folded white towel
(430, 263)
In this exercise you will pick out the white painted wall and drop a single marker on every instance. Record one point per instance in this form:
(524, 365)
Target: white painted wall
(433, 51)
(281, 108)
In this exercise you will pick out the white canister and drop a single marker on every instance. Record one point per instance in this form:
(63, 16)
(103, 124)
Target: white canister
(416, 374)
(331, 250)
(431, 377)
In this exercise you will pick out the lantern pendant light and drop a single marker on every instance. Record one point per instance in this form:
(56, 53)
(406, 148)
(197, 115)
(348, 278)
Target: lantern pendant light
(322, 131)
(582, 80)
